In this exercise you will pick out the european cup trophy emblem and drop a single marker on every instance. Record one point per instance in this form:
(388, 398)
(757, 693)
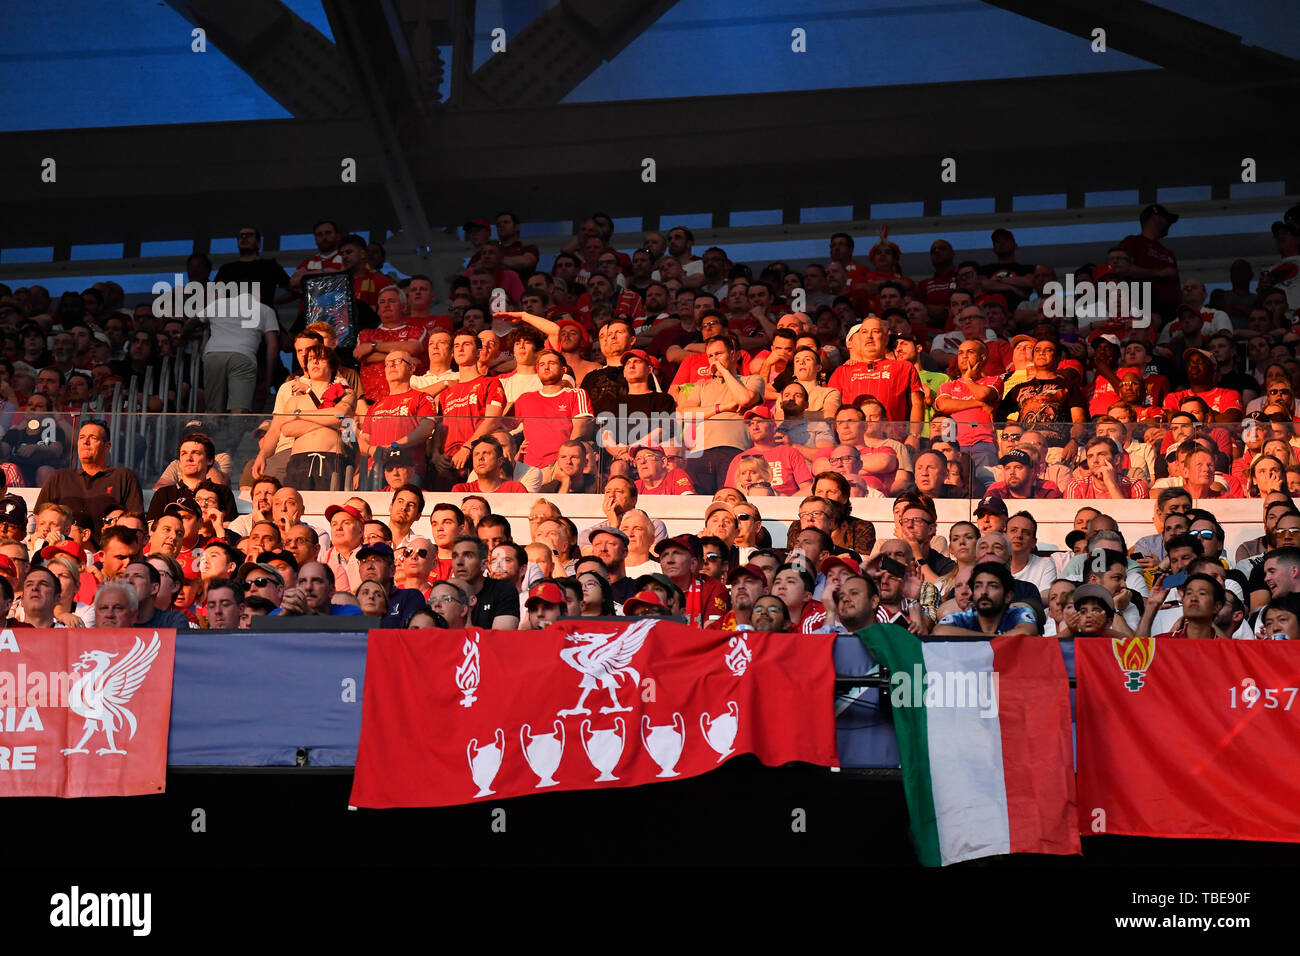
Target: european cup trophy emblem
(484, 762)
(664, 743)
(720, 731)
(604, 747)
(542, 752)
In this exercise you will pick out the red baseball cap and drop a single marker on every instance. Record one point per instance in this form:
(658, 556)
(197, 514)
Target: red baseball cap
(687, 542)
(586, 336)
(644, 599)
(70, 548)
(988, 297)
(7, 566)
(844, 560)
(478, 223)
(750, 570)
(642, 355)
(548, 592)
(759, 411)
(332, 510)
(1103, 270)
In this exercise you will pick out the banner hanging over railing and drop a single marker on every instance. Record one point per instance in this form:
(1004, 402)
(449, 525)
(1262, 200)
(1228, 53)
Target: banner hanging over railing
(459, 716)
(84, 712)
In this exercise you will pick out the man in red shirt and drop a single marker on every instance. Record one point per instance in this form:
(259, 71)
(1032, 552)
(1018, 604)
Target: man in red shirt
(790, 472)
(1202, 374)
(402, 419)
(706, 598)
(470, 408)
(1104, 479)
(1153, 261)
(366, 282)
(937, 290)
(394, 334)
(327, 258)
(654, 477)
(895, 383)
(550, 416)
(970, 400)
(489, 257)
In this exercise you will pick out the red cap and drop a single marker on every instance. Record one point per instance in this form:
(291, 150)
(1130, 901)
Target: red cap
(844, 560)
(642, 355)
(1103, 270)
(7, 566)
(759, 411)
(644, 599)
(70, 548)
(332, 510)
(478, 223)
(586, 336)
(752, 570)
(686, 541)
(547, 592)
(988, 297)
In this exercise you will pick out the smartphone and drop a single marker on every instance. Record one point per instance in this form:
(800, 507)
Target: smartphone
(890, 566)
(1174, 580)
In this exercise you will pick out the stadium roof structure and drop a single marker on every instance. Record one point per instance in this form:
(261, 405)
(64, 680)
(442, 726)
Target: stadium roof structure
(508, 133)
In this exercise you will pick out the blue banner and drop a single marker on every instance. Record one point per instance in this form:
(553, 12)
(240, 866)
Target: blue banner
(252, 700)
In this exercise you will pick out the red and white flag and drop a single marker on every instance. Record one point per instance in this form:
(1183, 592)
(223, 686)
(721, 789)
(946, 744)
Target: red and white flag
(457, 716)
(84, 712)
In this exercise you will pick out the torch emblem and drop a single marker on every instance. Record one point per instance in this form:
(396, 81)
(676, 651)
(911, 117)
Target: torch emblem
(1134, 655)
(739, 656)
(467, 673)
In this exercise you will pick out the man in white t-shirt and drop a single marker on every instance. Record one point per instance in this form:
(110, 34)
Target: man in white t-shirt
(239, 328)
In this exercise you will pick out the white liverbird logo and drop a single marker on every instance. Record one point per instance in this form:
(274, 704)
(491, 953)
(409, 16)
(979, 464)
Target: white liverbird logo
(739, 656)
(467, 673)
(101, 694)
(601, 659)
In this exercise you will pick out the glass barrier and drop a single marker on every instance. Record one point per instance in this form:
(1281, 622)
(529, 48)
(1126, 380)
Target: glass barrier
(668, 453)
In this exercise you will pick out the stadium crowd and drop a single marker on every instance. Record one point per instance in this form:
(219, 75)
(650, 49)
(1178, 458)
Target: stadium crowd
(663, 372)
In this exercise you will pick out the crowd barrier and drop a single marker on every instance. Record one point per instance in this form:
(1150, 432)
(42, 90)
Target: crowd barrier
(147, 445)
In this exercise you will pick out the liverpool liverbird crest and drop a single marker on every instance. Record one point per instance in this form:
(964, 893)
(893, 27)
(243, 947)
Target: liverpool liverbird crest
(602, 659)
(102, 693)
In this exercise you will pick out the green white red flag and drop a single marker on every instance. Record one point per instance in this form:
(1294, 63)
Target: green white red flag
(984, 740)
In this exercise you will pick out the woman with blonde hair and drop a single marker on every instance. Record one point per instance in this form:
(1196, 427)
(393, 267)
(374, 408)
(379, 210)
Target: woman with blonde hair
(752, 470)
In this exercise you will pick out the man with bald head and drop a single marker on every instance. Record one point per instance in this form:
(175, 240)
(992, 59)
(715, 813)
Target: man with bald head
(897, 384)
(314, 594)
(414, 567)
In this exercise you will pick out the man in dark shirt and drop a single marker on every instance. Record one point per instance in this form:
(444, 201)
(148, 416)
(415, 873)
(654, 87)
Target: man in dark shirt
(94, 488)
(251, 267)
(375, 563)
(1153, 261)
(496, 604)
(1009, 278)
(1048, 397)
(195, 454)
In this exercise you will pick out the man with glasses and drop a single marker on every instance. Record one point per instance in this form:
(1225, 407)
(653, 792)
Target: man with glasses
(401, 420)
(261, 580)
(451, 599)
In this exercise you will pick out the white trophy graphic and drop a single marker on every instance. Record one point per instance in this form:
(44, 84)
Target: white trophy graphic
(664, 743)
(604, 747)
(720, 731)
(543, 753)
(484, 762)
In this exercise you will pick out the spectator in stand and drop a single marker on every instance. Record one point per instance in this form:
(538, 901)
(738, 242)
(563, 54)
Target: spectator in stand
(971, 400)
(94, 488)
(1202, 376)
(569, 472)
(706, 598)
(1026, 565)
(115, 605)
(1019, 479)
(654, 477)
(886, 464)
(314, 594)
(401, 421)
(896, 384)
(790, 474)
(346, 523)
(552, 416)
(470, 409)
(496, 603)
(321, 403)
(489, 469)
(376, 562)
(395, 333)
(992, 611)
(441, 371)
(1104, 479)
(716, 407)
(366, 282)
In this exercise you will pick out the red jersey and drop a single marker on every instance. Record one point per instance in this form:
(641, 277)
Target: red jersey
(395, 416)
(695, 368)
(1084, 488)
(1150, 254)
(472, 488)
(548, 422)
(464, 405)
(937, 289)
(706, 601)
(676, 482)
(319, 263)
(368, 285)
(1220, 400)
(373, 381)
(889, 380)
(789, 467)
(974, 424)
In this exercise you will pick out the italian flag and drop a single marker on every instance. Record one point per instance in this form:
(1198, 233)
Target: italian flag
(984, 741)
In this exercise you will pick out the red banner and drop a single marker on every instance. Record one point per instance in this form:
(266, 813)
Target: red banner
(455, 717)
(84, 712)
(1188, 738)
